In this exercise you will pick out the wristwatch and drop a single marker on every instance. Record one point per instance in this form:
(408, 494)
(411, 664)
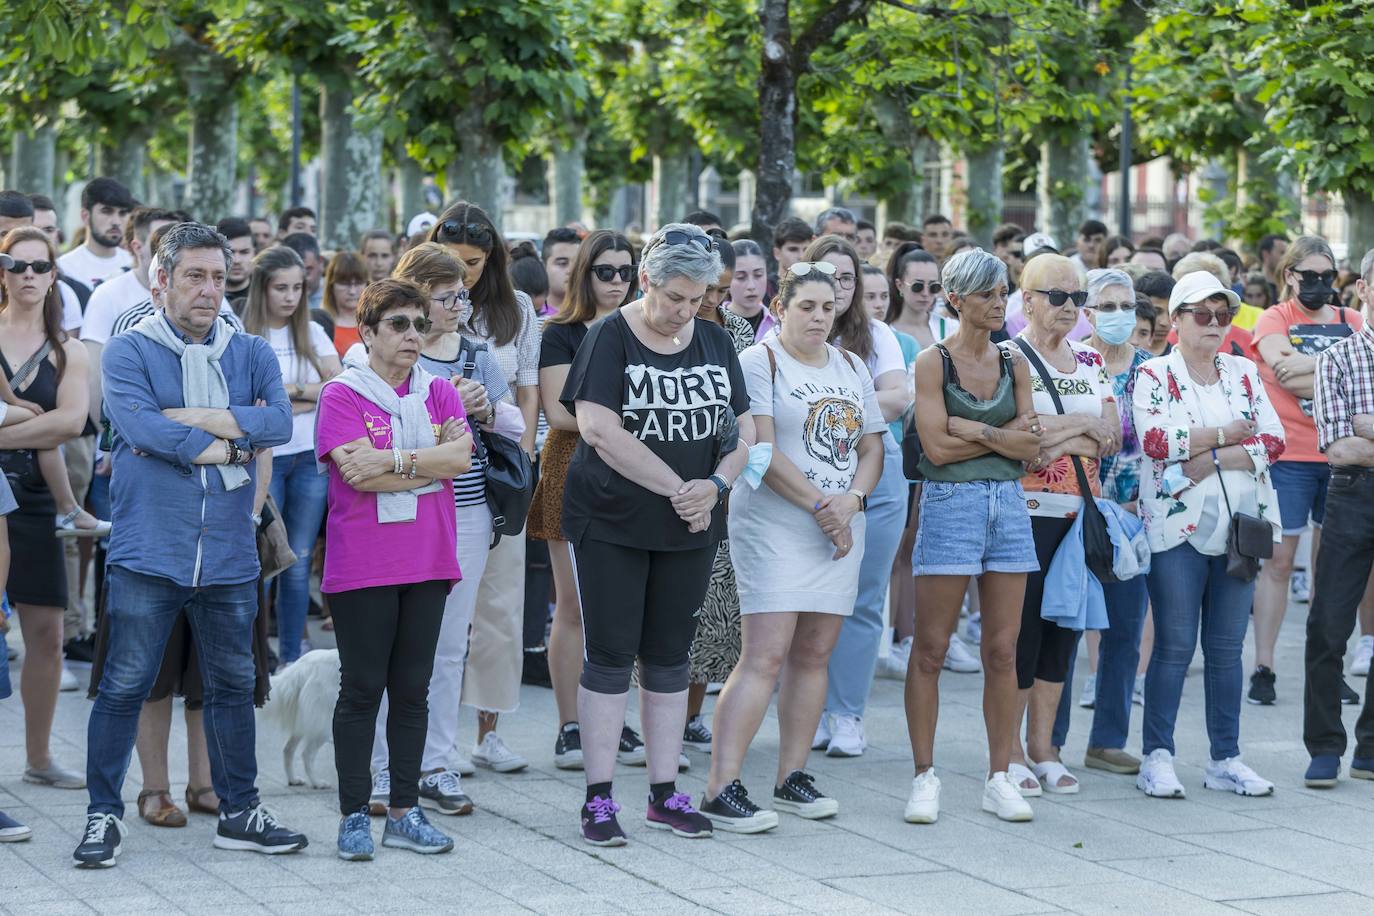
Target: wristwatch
(722, 487)
(863, 499)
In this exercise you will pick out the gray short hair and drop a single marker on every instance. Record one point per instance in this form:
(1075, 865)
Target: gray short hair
(1367, 266)
(1098, 280)
(187, 237)
(973, 271)
(663, 262)
(843, 214)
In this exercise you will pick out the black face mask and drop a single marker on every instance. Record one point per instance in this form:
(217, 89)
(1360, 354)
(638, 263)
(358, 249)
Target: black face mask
(1315, 294)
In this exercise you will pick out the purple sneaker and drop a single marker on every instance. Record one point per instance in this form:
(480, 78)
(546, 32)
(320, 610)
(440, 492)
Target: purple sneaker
(675, 813)
(599, 826)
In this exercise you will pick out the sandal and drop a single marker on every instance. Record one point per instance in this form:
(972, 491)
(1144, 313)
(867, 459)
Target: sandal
(194, 803)
(165, 814)
(1050, 772)
(1019, 775)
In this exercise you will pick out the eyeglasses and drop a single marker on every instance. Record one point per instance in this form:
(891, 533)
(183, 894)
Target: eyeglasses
(606, 273)
(401, 323)
(1018, 253)
(1058, 297)
(450, 230)
(452, 302)
(919, 286)
(39, 267)
(1108, 308)
(679, 237)
(802, 268)
(1325, 278)
(1204, 316)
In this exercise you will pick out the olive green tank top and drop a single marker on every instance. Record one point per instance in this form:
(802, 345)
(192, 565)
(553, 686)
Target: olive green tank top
(998, 410)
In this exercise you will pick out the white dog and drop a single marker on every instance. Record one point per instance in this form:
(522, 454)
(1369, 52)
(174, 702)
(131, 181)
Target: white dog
(302, 705)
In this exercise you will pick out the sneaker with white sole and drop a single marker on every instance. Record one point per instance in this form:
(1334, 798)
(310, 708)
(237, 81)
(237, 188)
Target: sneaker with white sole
(443, 792)
(69, 681)
(822, 739)
(1231, 775)
(799, 795)
(631, 752)
(847, 737)
(697, 734)
(1364, 651)
(923, 805)
(1157, 777)
(567, 747)
(1088, 698)
(1003, 799)
(493, 754)
(1138, 691)
(380, 799)
(959, 659)
(894, 666)
(732, 810)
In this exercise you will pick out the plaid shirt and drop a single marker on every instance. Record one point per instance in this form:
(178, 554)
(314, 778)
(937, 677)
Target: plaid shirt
(1344, 387)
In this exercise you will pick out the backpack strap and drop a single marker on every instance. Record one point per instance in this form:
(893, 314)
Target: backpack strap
(467, 355)
(772, 362)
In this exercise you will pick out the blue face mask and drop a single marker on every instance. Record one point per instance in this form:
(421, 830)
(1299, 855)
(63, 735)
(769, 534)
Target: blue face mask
(1116, 327)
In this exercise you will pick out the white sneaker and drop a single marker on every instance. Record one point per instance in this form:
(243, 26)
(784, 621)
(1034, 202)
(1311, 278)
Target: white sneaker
(1088, 699)
(69, 681)
(381, 794)
(462, 765)
(493, 754)
(1157, 777)
(958, 658)
(1230, 775)
(894, 666)
(1138, 693)
(1364, 651)
(1001, 798)
(848, 737)
(923, 805)
(822, 739)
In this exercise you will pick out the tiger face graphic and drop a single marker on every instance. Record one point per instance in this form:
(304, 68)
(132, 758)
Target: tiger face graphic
(833, 428)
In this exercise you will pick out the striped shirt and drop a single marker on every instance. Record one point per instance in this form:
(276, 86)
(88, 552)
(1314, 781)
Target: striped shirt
(470, 488)
(1343, 386)
(136, 313)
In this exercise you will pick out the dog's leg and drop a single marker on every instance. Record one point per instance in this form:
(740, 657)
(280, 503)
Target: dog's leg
(288, 754)
(308, 755)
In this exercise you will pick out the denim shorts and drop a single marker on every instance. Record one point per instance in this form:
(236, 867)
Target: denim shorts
(4, 668)
(1301, 488)
(967, 529)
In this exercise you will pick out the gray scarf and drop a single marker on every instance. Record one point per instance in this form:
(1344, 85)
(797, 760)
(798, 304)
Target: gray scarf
(411, 427)
(202, 377)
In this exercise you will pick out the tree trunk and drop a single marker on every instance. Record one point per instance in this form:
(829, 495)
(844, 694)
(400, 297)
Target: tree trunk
(351, 186)
(566, 168)
(672, 174)
(32, 166)
(411, 178)
(124, 160)
(213, 155)
(478, 173)
(905, 202)
(983, 182)
(1359, 207)
(777, 123)
(1063, 186)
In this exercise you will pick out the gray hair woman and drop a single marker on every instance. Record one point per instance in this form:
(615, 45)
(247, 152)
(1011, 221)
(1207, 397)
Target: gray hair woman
(653, 389)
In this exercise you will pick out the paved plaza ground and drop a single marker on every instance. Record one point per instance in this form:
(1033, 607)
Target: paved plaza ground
(1108, 849)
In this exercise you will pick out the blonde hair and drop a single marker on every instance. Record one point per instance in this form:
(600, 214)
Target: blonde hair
(430, 264)
(1194, 261)
(1300, 250)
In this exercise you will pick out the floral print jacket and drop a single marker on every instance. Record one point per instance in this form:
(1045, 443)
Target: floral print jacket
(1163, 414)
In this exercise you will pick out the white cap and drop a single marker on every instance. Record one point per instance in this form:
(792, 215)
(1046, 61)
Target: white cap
(420, 222)
(1199, 286)
(1039, 241)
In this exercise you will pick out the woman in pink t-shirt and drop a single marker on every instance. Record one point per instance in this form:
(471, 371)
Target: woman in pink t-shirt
(393, 437)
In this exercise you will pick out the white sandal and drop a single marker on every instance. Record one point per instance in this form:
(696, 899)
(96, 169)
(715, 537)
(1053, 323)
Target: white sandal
(1050, 772)
(1018, 774)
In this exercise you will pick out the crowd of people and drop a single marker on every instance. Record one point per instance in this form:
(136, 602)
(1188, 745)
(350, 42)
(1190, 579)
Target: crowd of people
(1000, 451)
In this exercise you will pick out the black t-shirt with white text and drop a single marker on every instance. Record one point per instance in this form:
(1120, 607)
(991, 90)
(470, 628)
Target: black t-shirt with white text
(675, 404)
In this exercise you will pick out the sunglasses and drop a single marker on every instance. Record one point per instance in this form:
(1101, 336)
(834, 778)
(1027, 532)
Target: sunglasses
(451, 301)
(679, 237)
(919, 286)
(451, 230)
(39, 267)
(1058, 297)
(1108, 308)
(606, 273)
(1204, 316)
(1326, 277)
(401, 323)
(802, 268)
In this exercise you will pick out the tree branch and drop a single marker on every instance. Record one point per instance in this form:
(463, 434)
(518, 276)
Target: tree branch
(823, 27)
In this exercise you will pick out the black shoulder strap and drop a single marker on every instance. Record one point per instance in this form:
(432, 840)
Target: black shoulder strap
(1084, 489)
(947, 370)
(772, 362)
(29, 366)
(847, 358)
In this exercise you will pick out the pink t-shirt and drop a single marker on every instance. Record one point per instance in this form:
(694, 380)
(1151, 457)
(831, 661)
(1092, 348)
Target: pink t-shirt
(360, 552)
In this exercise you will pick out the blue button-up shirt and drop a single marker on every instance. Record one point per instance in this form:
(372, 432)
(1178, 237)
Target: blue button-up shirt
(171, 518)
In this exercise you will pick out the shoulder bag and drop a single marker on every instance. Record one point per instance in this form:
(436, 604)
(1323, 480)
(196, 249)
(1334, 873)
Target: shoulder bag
(510, 475)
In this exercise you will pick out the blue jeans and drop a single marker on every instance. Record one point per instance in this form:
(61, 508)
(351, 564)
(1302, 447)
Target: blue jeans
(856, 651)
(301, 493)
(1118, 656)
(1188, 588)
(142, 610)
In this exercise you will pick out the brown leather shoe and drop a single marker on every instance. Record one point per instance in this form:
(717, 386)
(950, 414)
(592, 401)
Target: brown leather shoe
(1111, 759)
(194, 803)
(157, 808)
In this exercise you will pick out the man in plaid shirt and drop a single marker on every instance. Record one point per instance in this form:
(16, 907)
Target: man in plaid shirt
(1344, 415)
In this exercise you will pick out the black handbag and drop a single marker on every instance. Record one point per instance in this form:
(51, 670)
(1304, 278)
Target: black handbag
(1249, 540)
(510, 474)
(1098, 550)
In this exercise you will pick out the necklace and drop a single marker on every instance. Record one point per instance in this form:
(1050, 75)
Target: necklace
(1203, 378)
(644, 316)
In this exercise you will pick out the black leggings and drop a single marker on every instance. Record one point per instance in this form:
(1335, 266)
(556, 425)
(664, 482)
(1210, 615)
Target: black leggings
(639, 603)
(386, 637)
(1044, 648)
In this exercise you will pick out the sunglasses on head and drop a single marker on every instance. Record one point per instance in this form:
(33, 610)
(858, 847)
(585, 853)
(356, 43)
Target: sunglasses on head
(606, 273)
(39, 267)
(450, 230)
(919, 286)
(452, 301)
(1325, 277)
(1058, 297)
(1203, 315)
(401, 323)
(679, 237)
(802, 268)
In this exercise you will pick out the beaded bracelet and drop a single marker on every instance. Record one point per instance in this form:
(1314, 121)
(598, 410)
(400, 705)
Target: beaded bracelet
(414, 459)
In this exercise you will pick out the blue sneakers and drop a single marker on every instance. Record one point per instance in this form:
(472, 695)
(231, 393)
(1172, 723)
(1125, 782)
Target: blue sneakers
(1322, 772)
(355, 837)
(1362, 767)
(411, 831)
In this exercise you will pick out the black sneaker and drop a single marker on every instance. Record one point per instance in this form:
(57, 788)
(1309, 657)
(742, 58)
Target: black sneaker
(798, 794)
(1348, 695)
(631, 751)
(732, 811)
(697, 734)
(567, 747)
(535, 671)
(81, 649)
(1262, 687)
(599, 824)
(443, 792)
(259, 831)
(101, 843)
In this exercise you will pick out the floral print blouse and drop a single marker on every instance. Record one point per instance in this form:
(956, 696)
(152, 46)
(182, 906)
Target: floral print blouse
(1121, 472)
(1164, 411)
